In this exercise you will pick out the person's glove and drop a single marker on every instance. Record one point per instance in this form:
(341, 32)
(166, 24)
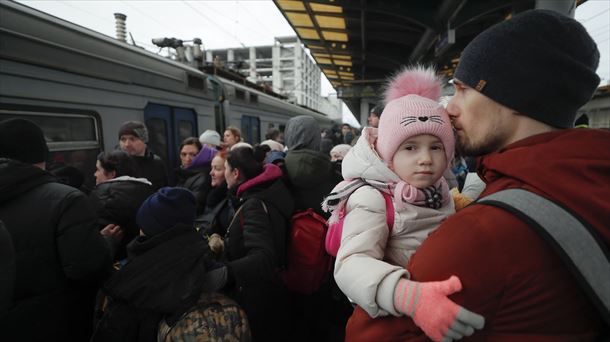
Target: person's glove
(439, 317)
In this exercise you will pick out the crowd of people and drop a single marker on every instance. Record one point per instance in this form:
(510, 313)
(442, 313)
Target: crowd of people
(142, 258)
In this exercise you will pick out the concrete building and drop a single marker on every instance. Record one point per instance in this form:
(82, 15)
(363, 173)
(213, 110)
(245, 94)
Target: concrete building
(332, 106)
(598, 109)
(284, 67)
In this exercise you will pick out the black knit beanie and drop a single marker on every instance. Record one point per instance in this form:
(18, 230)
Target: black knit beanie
(540, 63)
(135, 128)
(22, 140)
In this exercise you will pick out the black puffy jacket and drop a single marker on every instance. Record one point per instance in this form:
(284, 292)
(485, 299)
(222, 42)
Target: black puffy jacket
(152, 167)
(117, 201)
(163, 277)
(197, 180)
(60, 256)
(255, 247)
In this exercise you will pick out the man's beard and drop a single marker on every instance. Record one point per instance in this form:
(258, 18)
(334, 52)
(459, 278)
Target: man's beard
(490, 143)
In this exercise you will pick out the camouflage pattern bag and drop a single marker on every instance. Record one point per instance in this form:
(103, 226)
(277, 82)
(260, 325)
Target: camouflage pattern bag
(215, 317)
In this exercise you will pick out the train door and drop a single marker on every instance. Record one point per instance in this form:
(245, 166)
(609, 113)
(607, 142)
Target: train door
(250, 129)
(167, 127)
(219, 114)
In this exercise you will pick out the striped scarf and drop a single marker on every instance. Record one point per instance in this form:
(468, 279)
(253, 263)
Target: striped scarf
(434, 196)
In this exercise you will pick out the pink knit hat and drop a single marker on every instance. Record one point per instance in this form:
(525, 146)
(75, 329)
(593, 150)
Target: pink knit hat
(411, 109)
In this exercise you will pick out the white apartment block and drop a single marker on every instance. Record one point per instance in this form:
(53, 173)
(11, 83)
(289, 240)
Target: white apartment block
(284, 67)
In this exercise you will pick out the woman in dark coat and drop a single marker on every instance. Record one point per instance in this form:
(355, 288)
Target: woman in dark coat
(194, 170)
(218, 212)
(118, 195)
(255, 243)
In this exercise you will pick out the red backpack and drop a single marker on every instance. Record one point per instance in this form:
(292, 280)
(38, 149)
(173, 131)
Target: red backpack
(307, 261)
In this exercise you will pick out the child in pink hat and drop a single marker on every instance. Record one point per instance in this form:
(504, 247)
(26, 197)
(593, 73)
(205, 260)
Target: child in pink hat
(394, 196)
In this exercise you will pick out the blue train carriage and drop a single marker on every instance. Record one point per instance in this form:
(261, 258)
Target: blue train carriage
(80, 85)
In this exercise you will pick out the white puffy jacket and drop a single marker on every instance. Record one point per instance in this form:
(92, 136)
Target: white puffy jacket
(370, 262)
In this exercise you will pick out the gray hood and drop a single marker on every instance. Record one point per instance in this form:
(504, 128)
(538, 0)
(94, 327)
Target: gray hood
(302, 132)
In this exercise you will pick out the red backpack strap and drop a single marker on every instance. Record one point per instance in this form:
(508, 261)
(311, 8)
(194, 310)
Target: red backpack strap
(389, 210)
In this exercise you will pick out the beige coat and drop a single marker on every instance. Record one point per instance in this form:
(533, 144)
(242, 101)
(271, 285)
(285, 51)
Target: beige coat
(370, 260)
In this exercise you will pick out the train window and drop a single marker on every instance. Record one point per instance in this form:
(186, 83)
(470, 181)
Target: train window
(240, 94)
(196, 82)
(185, 129)
(157, 136)
(62, 128)
(250, 129)
(253, 98)
(73, 140)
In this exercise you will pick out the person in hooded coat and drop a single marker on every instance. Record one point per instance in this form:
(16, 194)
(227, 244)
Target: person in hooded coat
(311, 176)
(194, 171)
(310, 173)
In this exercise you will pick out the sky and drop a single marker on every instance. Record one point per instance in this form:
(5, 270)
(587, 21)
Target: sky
(232, 23)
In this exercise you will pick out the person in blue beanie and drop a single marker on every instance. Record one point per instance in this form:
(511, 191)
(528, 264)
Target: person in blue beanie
(164, 274)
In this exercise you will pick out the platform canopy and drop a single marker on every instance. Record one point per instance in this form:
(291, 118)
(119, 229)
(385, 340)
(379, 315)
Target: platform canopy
(359, 43)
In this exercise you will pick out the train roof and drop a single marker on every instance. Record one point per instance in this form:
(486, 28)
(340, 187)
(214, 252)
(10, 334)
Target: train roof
(34, 37)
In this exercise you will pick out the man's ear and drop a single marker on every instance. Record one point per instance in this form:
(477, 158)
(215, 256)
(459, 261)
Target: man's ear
(237, 173)
(112, 174)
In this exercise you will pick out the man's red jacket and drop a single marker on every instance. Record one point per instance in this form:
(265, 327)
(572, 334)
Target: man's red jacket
(509, 274)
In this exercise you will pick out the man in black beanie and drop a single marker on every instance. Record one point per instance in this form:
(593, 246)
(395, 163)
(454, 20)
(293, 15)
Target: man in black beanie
(60, 256)
(518, 87)
(133, 139)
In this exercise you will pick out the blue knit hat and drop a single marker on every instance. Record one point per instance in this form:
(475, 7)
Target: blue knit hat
(540, 63)
(165, 209)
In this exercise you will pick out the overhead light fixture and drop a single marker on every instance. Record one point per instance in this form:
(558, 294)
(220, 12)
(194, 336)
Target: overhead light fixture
(325, 8)
(341, 62)
(330, 22)
(299, 19)
(306, 33)
(344, 57)
(335, 36)
(291, 5)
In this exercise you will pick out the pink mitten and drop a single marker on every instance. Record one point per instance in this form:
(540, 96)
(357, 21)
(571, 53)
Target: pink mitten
(439, 317)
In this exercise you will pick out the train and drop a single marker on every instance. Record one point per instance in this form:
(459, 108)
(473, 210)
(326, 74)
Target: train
(80, 86)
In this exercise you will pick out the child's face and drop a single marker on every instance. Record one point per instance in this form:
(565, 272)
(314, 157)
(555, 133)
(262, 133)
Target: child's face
(420, 160)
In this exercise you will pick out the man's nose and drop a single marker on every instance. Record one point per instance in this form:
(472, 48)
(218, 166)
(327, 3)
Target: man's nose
(452, 109)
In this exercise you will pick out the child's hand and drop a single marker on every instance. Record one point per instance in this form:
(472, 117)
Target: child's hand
(460, 201)
(439, 317)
